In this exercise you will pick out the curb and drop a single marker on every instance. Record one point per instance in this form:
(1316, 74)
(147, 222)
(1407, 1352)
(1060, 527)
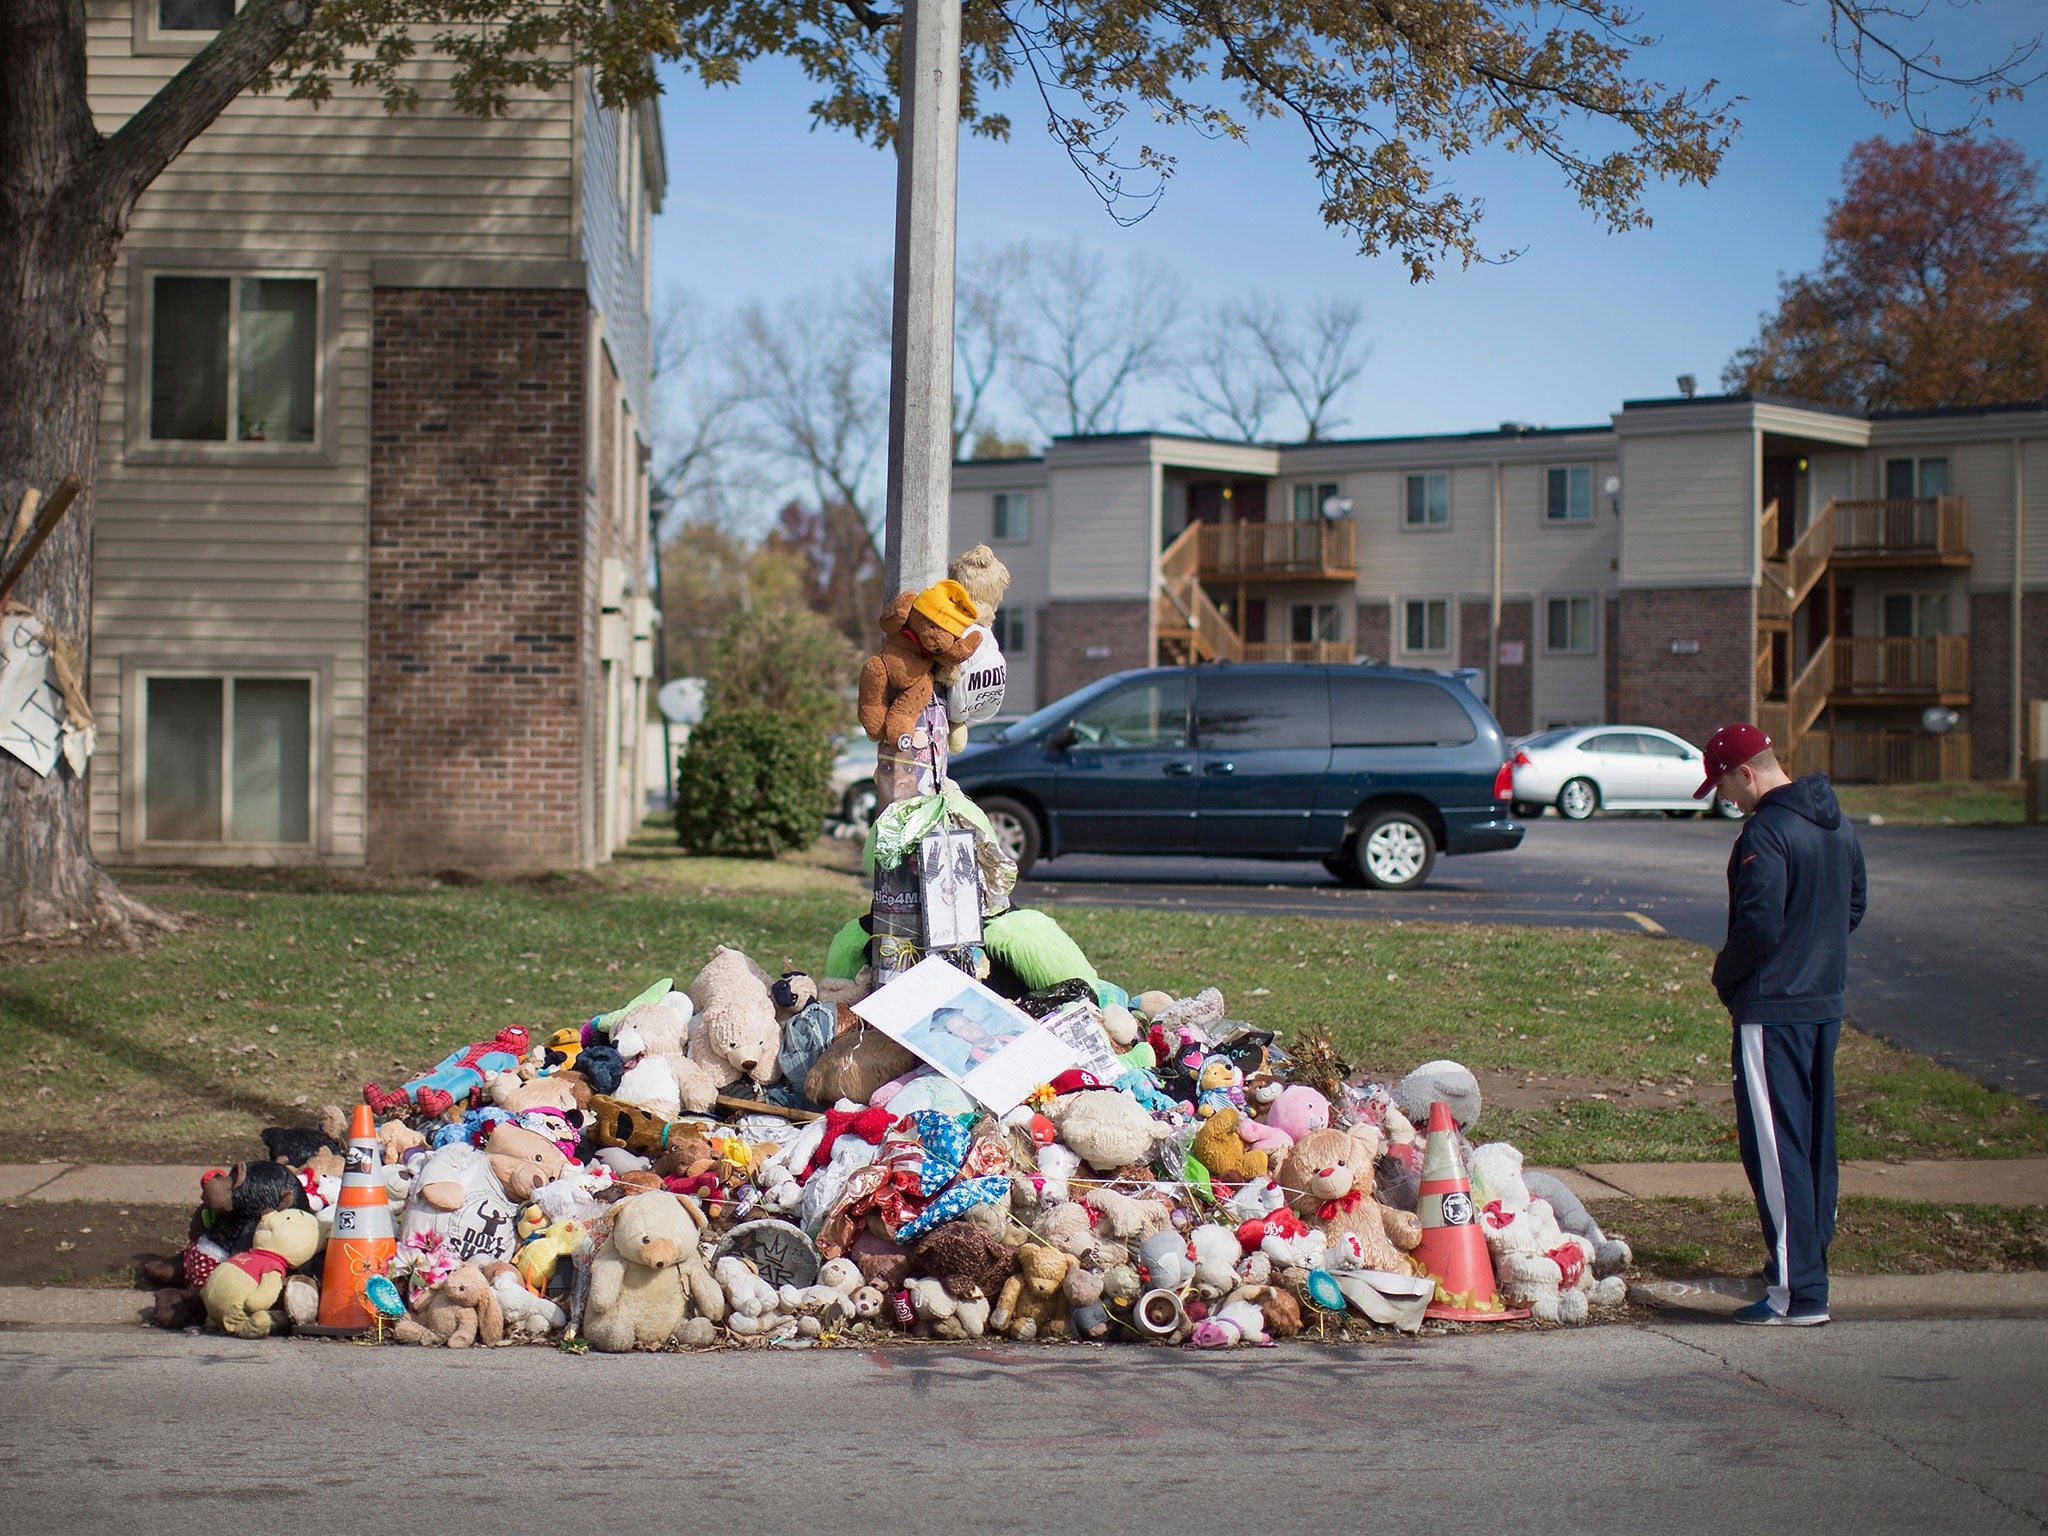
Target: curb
(30, 1306)
(1863, 1298)
(2015, 1181)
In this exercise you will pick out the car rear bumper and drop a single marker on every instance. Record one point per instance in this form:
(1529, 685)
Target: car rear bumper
(1481, 834)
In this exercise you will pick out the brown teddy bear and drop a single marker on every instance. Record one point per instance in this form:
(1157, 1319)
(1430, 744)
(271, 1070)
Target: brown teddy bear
(965, 1259)
(459, 1311)
(922, 630)
(1329, 1180)
(1033, 1303)
(649, 1283)
(1219, 1148)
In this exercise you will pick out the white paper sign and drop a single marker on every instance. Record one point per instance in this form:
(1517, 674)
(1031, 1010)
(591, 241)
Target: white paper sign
(996, 1051)
(1076, 1025)
(31, 705)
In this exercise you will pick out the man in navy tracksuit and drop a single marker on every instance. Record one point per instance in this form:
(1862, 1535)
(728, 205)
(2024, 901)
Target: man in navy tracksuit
(1795, 894)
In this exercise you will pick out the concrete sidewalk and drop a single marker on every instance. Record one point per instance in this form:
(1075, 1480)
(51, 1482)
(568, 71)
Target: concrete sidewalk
(1989, 1181)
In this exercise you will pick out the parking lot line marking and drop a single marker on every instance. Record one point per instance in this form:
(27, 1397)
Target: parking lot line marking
(1650, 924)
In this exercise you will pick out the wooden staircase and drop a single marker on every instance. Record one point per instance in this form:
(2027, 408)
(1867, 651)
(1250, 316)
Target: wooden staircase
(1190, 627)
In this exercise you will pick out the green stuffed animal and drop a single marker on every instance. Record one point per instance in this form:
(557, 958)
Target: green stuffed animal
(239, 1294)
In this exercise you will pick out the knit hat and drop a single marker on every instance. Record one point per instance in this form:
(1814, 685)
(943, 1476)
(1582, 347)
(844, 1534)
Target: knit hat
(948, 605)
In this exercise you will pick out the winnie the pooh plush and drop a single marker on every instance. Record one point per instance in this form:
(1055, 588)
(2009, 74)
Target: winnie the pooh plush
(648, 1276)
(1331, 1182)
(242, 1289)
(922, 630)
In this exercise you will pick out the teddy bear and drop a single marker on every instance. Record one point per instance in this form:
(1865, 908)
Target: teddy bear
(659, 1033)
(1330, 1184)
(921, 631)
(1447, 1082)
(752, 1305)
(519, 1094)
(1086, 1314)
(458, 1310)
(1279, 1307)
(1294, 1113)
(1033, 1303)
(523, 1311)
(1216, 1257)
(1168, 1265)
(1535, 1262)
(944, 1315)
(648, 1276)
(1125, 1217)
(1611, 1255)
(855, 1066)
(1219, 1148)
(242, 1288)
(523, 1159)
(1233, 1323)
(963, 1258)
(736, 1034)
(1108, 1128)
(1218, 1086)
(985, 579)
(458, 1196)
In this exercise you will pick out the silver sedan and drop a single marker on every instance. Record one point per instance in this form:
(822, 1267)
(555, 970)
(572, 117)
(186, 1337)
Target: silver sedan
(1615, 767)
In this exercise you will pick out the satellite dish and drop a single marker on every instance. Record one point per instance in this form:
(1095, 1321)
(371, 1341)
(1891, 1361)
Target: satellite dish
(1612, 485)
(1335, 507)
(1938, 719)
(682, 700)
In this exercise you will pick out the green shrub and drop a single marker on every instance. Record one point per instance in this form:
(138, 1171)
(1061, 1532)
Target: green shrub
(752, 783)
(789, 660)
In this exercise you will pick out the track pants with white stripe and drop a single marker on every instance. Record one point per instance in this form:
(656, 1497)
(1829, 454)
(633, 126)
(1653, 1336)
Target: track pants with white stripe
(1785, 1119)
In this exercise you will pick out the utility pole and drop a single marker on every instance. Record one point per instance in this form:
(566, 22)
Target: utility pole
(921, 338)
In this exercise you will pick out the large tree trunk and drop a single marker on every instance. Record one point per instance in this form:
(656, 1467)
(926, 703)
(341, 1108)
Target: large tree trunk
(65, 196)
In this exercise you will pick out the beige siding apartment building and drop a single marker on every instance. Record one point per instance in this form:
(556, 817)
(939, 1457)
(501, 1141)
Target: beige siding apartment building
(372, 489)
(1692, 561)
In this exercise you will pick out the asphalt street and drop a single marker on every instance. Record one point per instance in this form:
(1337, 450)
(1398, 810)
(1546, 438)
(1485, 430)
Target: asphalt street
(1902, 1426)
(1952, 960)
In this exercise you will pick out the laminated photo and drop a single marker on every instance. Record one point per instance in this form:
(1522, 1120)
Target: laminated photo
(994, 1050)
(951, 882)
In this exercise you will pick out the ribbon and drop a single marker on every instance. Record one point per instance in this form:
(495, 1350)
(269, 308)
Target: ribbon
(1342, 1205)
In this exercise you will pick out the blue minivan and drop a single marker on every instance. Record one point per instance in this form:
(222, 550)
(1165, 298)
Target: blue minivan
(1372, 770)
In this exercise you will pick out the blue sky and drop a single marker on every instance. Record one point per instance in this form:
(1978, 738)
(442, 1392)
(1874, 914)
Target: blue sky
(761, 208)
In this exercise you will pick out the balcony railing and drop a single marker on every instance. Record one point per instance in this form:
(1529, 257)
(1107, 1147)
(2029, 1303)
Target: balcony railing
(1935, 665)
(1925, 528)
(1299, 650)
(1319, 549)
(1897, 757)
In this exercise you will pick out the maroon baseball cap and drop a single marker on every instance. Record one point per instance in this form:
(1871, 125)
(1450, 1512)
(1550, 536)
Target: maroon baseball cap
(1730, 747)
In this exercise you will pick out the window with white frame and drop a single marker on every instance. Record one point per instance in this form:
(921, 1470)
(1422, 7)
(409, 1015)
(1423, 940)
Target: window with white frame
(1310, 500)
(1011, 633)
(234, 358)
(1309, 623)
(1910, 615)
(1425, 624)
(227, 760)
(1009, 517)
(1568, 493)
(1427, 503)
(1568, 626)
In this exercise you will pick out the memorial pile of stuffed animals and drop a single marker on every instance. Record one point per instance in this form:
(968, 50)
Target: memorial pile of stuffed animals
(955, 1129)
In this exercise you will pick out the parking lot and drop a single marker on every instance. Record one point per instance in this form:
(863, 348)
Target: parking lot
(1952, 960)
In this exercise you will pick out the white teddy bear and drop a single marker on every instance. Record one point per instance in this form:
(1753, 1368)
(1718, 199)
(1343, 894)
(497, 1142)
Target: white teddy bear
(753, 1306)
(1535, 1262)
(947, 1315)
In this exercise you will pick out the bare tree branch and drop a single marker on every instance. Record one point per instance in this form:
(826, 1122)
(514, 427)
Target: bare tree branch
(1314, 363)
(1230, 384)
(1899, 75)
(1088, 343)
(986, 333)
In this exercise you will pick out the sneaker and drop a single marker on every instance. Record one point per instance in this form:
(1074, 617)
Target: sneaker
(1764, 1314)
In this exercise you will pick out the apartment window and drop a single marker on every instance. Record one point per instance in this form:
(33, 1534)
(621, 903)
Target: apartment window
(1426, 624)
(227, 760)
(1010, 517)
(1429, 501)
(1568, 494)
(1011, 633)
(1911, 614)
(1309, 623)
(234, 359)
(193, 15)
(1908, 479)
(1568, 626)
(1309, 500)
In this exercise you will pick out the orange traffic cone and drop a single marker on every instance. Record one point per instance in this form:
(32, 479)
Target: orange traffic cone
(1452, 1247)
(363, 1241)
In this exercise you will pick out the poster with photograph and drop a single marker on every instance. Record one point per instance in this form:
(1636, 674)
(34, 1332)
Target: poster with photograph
(32, 713)
(952, 890)
(1076, 1027)
(942, 1015)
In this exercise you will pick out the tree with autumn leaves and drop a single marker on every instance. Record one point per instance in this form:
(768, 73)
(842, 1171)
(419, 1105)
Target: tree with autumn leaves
(1933, 291)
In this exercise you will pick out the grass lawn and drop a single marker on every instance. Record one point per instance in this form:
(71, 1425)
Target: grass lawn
(290, 989)
(1967, 802)
(1683, 1238)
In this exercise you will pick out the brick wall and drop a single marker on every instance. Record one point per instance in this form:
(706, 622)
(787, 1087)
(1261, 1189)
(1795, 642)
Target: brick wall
(1610, 651)
(1989, 717)
(1514, 708)
(476, 578)
(1475, 634)
(1693, 695)
(1067, 631)
(1375, 631)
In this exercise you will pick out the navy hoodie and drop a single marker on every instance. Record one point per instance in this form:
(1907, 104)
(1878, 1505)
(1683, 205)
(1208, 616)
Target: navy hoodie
(1795, 894)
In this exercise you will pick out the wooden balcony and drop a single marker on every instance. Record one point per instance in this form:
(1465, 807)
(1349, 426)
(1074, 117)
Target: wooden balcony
(1297, 650)
(1870, 757)
(1932, 530)
(1314, 551)
(1932, 669)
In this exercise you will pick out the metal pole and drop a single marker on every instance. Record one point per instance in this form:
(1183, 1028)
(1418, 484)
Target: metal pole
(921, 342)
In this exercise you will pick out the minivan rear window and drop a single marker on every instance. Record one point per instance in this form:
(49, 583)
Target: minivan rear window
(1276, 711)
(1395, 712)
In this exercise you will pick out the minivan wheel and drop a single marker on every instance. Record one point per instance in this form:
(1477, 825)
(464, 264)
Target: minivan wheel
(1016, 831)
(1394, 851)
(1578, 800)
